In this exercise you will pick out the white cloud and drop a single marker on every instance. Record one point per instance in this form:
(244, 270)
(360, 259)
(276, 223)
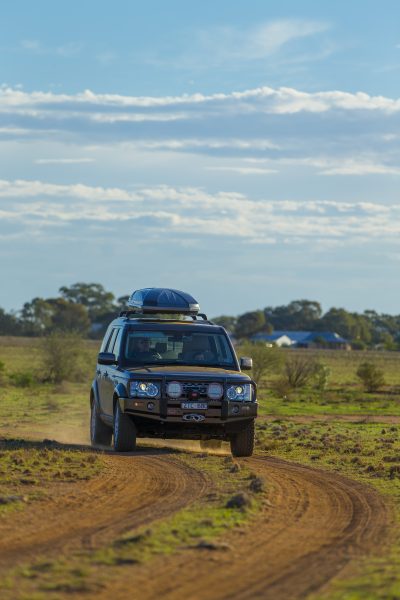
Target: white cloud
(244, 170)
(264, 100)
(193, 213)
(70, 50)
(354, 167)
(63, 161)
(337, 132)
(33, 45)
(255, 43)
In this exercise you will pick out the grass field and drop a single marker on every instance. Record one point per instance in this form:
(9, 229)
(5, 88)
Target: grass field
(365, 451)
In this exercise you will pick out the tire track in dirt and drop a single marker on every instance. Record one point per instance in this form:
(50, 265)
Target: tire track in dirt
(317, 522)
(131, 491)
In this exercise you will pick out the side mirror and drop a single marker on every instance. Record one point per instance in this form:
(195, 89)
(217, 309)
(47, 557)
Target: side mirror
(106, 358)
(246, 363)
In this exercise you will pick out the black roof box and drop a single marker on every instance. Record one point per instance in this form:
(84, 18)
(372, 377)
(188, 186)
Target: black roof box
(163, 300)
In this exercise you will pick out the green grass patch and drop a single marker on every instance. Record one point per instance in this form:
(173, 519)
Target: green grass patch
(29, 470)
(367, 452)
(343, 400)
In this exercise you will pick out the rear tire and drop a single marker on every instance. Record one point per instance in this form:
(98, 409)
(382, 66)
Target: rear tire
(100, 433)
(210, 444)
(242, 443)
(124, 431)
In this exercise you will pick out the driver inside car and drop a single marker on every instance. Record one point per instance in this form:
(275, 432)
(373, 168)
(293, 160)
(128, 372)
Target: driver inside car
(140, 350)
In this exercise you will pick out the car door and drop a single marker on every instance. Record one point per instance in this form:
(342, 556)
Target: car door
(103, 372)
(110, 374)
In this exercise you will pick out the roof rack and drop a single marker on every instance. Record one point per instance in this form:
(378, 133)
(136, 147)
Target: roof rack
(145, 316)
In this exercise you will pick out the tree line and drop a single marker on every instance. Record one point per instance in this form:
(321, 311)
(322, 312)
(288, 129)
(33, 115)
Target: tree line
(87, 308)
(362, 330)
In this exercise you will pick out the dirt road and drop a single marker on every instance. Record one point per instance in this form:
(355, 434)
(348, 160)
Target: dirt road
(132, 491)
(311, 527)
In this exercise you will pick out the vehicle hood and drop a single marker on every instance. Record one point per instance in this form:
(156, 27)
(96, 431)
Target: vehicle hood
(187, 372)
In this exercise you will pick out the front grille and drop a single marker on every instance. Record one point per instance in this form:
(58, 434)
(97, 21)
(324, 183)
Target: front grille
(197, 387)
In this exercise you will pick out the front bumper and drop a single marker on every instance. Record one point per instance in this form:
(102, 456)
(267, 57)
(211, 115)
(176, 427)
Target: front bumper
(165, 410)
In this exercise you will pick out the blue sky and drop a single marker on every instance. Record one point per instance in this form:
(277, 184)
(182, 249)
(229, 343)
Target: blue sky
(247, 152)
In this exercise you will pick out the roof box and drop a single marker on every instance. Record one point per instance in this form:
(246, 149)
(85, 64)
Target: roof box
(163, 300)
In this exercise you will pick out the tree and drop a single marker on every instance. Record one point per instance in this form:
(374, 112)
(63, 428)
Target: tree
(349, 325)
(68, 316)
(298, 315)
(9, 324)
(265, 360)
(91, 295)
(36, 317)
(122, 303)
(250, 323)
(228, 323)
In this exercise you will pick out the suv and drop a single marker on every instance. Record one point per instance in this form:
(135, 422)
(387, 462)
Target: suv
(164, 370)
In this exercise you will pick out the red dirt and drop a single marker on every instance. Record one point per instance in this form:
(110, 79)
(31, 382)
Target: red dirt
(312, 525)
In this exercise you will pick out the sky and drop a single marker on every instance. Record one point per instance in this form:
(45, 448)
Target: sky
(245, 152)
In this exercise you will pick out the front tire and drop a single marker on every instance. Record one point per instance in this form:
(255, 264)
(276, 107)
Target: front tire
(242, 443)
(124, 431)
(100, 433)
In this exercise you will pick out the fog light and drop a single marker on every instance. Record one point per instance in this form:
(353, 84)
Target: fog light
(235, 410)
(150, 406)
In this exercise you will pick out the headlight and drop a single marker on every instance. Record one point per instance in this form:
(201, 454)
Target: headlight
(215, 391)
(239, 393)
(143, 389)
(174, 389)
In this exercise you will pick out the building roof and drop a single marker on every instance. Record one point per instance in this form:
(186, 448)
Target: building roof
(301, 337)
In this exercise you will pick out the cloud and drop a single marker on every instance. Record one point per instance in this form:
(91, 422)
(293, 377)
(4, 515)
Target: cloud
(354, 167)
(255, 43)
(244, 170)
(32, 45)
(67, 50)
(264, 99)
(192, 213)
(352, 133)
(70, 50)
(63, 161)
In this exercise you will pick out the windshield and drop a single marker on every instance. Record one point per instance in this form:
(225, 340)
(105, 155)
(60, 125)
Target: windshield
(172, 347)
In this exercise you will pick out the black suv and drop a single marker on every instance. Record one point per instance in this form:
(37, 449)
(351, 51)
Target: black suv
(165, 371)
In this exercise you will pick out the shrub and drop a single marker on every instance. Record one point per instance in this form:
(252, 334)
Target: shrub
(265, 360)
(282, 388)
(23, 379)
(299, 370)
(321, 376)
(63, 354)
(3, 375)
(371, 376)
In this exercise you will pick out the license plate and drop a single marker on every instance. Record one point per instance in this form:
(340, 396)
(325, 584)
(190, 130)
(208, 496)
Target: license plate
(194, 405)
